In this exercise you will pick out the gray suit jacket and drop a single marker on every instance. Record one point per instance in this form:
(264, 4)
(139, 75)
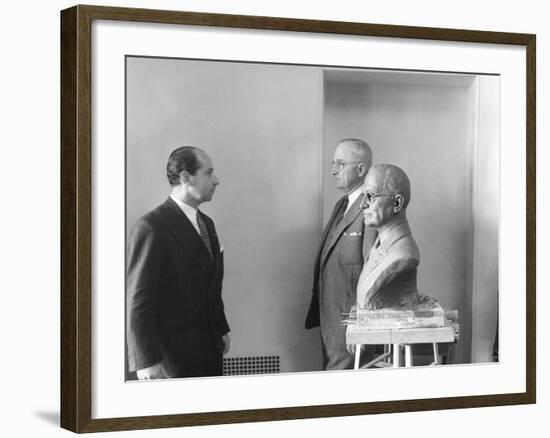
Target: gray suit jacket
(337, 268)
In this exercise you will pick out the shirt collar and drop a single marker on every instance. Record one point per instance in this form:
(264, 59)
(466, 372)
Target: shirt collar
(390, 235)
(190, 212)
(352, 197)
(187, 209)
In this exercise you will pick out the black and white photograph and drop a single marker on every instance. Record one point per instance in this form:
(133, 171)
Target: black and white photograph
(288, 218)
(275, 218)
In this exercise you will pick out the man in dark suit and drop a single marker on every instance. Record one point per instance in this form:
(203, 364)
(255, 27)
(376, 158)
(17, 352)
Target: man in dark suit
(344, 244)
(176, 325)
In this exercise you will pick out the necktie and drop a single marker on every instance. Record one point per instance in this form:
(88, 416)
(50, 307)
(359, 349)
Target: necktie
(204, 234)
(342, 211)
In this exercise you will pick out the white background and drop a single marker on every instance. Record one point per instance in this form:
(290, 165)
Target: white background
(29, 245)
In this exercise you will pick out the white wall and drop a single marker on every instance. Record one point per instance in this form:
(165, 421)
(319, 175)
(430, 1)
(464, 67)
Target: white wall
(485, 204)
(428, 125)
(29, 181)
(263, 132)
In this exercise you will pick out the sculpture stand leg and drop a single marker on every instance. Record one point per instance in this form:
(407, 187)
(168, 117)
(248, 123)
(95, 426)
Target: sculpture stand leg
(387, 353)
(436, 354)
(357, 356)
(396, 355)
(408, 355)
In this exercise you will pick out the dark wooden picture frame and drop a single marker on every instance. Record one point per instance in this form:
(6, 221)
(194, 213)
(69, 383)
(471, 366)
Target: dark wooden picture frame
(76, 217)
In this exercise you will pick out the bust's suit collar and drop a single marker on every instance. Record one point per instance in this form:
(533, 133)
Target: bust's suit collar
(390, 236)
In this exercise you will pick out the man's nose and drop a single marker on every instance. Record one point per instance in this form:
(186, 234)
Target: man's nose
(215, 181)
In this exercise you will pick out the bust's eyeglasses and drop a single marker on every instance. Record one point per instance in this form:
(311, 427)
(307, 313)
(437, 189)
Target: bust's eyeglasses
(341, 164)
(370, 197)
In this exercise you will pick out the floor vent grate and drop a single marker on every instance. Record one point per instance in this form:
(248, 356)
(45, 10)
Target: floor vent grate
(238, 366)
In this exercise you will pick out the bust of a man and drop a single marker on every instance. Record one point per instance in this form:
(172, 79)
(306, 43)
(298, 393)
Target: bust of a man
(388, 277)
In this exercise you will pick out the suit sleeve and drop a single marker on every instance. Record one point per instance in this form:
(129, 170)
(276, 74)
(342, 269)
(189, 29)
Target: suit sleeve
(313, 313)
(144, 263)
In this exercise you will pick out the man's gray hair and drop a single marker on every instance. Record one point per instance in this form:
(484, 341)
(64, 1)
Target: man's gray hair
(362, 150)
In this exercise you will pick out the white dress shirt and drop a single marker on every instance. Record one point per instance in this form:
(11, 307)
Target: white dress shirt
(191, 214)
(189, 211)
(352, 197)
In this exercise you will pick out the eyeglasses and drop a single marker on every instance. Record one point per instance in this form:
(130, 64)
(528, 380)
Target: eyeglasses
(341, 164)
(370, 198)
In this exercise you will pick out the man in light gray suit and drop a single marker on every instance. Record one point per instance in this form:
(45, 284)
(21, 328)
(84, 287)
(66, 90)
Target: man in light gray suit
(344, 244)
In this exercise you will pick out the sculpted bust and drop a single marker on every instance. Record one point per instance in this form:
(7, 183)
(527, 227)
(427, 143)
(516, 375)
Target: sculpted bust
(388, 277)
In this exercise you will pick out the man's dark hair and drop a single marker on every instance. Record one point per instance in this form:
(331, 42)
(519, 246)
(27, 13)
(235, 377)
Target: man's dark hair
(182, 158)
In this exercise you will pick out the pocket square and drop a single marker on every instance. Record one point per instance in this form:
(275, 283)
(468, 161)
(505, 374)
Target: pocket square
(354, 234)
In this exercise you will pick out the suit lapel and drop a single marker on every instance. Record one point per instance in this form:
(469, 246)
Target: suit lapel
(331, 220)
(186, 235)
(216, 254)
(375, 255)
(329, 223)
(348, 218)
(214, 243)
(326, 230)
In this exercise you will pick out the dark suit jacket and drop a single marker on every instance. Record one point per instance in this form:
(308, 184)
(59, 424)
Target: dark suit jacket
(175, 313)
(337, 268)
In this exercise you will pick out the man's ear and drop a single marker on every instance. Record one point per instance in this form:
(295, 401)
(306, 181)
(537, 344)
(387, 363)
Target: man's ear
(184, 177)
(362, 169)
(398, 203)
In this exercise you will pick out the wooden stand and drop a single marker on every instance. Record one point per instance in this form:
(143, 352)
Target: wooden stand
(396, 339)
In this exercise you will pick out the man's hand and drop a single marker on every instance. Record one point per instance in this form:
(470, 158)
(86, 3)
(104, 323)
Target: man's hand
(156, 371)
(226, 343)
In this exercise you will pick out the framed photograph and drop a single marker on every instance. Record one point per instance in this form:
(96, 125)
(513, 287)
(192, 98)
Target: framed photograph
(211, 268)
